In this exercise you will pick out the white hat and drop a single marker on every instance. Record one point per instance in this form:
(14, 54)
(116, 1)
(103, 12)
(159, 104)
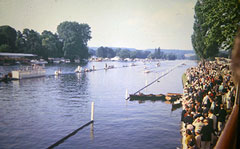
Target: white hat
(190, 127)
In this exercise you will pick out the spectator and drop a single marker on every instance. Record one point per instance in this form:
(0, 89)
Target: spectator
(206, 135)
(221, 118)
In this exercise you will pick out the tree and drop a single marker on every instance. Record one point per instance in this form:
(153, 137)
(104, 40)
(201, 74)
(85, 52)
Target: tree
(8, 37)
(224, 20)
(5, 48)
(75, 37)
(51, 44)
(92, 52)
(139, 54)
(124, 53)
(158, 54)
(110, 53)
(215, 26)
(145, 54)
(105, 52)
(171, 56)
(20, 42)
(101, 52)
(33, 42)
(133, 54)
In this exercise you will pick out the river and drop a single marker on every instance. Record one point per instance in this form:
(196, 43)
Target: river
(35, 113)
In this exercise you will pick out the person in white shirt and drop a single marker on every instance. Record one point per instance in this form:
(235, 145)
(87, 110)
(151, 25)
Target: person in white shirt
(214, 118)
(198, 123)
(198, 139)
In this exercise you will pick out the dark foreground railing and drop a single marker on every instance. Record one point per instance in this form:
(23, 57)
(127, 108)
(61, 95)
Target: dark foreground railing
(229, 138)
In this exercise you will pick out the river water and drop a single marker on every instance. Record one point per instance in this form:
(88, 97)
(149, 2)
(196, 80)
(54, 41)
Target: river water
(35, 113)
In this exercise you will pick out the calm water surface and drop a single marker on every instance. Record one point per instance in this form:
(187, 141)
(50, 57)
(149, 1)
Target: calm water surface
(35, 113)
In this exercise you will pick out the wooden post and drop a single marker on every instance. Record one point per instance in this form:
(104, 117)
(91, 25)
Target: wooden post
(92, 112)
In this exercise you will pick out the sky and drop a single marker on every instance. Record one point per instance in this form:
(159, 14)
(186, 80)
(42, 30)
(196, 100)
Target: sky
(140, 24)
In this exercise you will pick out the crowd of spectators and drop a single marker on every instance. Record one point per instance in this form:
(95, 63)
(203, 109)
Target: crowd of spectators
(208, 98)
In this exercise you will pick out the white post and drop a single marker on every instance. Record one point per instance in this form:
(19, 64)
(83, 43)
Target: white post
(146, 83)
(126, 96)
(92, 112)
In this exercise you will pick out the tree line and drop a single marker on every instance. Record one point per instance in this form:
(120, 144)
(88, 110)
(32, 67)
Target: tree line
(107, 52)
(215, 26)
(70, 41)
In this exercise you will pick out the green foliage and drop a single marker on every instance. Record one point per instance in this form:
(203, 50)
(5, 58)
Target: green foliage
(139, 54)
(171, 56)
(75, 37)
(92, 52)
(8, 37)
(73, 42)
(51, 44)
(215, 26)
(124, 53)
(105, 52)
(5, 48)
(20, 43)
(158, 54)
(151, 56)
(33, 42)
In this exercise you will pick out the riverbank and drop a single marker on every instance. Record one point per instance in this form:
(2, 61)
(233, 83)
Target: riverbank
(208, 97)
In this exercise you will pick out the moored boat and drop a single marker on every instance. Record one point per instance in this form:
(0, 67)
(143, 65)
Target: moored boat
(5, 78)
(173, 96)
(177, 104)
(133, 64)
(39, 62)
(29, 72)
(147, 71)
(147, 97)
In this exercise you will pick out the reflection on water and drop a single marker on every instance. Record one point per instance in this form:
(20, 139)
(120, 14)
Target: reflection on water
(92, 131)
(37, 112)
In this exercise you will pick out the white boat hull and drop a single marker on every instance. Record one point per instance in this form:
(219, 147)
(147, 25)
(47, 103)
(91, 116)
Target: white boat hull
(18, 74)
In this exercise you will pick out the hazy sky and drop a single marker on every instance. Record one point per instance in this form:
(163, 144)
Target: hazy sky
(138, 24)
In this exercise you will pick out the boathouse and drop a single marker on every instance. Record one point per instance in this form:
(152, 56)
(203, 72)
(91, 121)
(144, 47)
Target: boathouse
(9, 58)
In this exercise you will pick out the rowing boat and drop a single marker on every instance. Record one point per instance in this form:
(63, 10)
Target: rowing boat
(147, 97)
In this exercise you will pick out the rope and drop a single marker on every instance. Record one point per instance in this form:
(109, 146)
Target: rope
(156, 79)
(68, 136)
